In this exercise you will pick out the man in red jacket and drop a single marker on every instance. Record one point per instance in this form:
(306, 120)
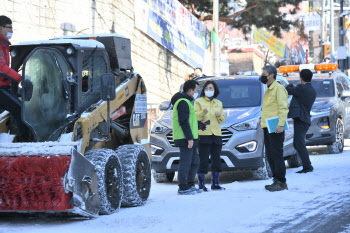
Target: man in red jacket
(8, 99)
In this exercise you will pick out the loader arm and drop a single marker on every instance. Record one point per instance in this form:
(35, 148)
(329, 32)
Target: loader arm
(90, 121)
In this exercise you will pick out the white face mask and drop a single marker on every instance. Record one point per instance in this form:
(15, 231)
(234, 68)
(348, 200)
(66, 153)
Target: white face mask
(195, 95)
(209, 93)
(9, 35)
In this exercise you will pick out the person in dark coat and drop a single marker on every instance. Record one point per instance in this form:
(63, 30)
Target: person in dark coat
(304, 96)
(198, 72)
(8, 99)
(185, 134)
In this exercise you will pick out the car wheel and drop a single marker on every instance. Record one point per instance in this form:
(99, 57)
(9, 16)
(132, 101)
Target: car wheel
(294, 160)
(163, 177)
(264, 172)
(338, 146)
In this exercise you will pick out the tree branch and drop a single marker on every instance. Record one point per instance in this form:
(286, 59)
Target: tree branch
(227, 18)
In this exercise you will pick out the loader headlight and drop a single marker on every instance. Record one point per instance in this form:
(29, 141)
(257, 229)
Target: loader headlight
(70, 51)
(158, 128)
(247, 125)
(13, 53)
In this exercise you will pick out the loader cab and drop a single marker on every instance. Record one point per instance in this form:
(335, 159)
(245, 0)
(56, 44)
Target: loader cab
(65, 76)
(93, 63)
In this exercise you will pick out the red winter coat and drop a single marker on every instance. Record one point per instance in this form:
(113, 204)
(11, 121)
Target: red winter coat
(5, 62)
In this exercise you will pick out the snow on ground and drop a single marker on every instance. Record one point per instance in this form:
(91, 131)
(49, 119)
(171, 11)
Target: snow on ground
(245, 206)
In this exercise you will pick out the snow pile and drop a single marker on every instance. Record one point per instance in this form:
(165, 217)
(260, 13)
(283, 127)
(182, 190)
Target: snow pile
(315, 202)
(6, 138)
(37, 148)
(76, 43)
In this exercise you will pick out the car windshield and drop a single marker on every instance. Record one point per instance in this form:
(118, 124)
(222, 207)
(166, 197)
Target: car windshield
(323, 87)
(238, 92)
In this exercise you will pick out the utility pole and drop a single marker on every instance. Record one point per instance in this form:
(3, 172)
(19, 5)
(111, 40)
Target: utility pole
(311, 33)
(217, 43)
(341, 26)
(331, 25)
(93, 9)
(322, 22)
(322, 39)
(341, 35)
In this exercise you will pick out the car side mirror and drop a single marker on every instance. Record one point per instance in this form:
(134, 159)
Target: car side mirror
(165, 105)
(107, 87)
(27, 87)
(345, 93)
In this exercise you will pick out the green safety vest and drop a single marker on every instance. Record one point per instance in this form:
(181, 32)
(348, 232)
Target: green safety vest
(177, 130)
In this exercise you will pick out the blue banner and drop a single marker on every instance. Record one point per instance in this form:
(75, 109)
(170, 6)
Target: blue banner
(168, 35)
(181, 18)
(172, 39)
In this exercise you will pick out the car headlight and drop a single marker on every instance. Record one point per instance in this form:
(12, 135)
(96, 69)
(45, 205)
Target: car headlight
(156, 150)
(319, 111)
(323, 123)
(158, 128)
(247, 125)
(247, 147)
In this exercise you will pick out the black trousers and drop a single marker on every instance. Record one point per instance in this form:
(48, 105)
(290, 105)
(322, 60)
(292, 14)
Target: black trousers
(300, 130)
(188, 166)
(10, 102)
(274, 154)
(212, 149)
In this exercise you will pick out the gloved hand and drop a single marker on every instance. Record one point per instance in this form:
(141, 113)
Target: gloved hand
(203, 125)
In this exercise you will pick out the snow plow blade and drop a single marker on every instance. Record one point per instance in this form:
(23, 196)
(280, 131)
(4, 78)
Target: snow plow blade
(47, 177)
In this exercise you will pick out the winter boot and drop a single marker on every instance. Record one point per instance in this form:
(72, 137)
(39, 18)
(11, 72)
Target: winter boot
(195, 189)
(215, 181)
(187, 192)
(306, 170)
(273, 183)
(201, 182)
(278, 186)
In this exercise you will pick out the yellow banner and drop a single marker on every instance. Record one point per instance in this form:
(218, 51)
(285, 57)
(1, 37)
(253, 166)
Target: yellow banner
(263, 37)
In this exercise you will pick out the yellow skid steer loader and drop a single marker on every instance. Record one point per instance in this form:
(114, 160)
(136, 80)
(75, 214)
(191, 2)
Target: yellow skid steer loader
(86, 150)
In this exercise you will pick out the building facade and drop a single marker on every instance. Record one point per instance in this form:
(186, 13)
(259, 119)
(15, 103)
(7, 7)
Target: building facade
(162, 71)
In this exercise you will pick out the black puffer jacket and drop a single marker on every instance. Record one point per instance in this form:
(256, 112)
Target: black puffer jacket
(184, 116)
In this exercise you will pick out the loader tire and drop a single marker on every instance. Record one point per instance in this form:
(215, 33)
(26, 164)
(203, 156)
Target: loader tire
(136, 169)
(110, 179)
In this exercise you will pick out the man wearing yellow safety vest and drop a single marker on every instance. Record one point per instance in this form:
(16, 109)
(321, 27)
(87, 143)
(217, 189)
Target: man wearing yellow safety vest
(185, 134)
(275, 103)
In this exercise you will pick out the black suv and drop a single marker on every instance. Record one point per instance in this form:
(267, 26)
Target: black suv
(330, 114)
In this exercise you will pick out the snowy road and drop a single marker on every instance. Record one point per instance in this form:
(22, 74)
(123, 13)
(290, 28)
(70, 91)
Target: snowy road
(315, 202)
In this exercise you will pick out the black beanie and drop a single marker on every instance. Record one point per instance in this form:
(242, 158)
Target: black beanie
(4, 20)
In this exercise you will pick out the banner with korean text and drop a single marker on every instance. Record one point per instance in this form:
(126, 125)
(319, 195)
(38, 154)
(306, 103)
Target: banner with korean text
(190, 47)
(268, 40)
(178, 16)
(312, 21)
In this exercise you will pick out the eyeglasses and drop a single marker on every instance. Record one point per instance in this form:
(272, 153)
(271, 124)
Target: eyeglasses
(9, 27)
